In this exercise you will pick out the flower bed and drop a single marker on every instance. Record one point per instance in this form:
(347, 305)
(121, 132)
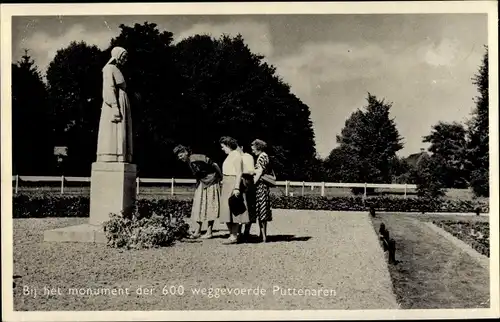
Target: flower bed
(151, 231)
(38, 206)
(475, 234)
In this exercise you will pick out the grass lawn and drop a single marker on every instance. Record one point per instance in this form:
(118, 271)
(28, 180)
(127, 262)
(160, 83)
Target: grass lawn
(431, 272)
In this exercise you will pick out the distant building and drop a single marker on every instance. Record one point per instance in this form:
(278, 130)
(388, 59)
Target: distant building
(414, 158)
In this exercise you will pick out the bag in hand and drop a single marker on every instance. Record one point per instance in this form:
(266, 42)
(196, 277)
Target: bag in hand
(237, 205)
(269, 179)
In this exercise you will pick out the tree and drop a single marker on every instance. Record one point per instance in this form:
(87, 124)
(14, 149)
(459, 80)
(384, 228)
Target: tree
(32, 140)
(338, 166)
(75, 86)
(429, 179)
(402, 171)
(315, 169)
(368, 144)
(230, 91)
(478, 134)
(449, 148)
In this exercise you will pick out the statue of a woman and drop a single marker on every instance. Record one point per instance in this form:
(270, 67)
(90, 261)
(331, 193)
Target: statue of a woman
(114, 143)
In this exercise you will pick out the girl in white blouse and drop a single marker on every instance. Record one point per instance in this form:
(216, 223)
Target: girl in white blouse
(232, 171)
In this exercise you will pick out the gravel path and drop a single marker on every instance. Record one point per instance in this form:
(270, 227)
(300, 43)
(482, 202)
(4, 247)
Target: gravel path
(337, 253)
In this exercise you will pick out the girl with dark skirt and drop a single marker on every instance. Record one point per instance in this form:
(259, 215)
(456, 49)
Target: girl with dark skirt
(232, 176)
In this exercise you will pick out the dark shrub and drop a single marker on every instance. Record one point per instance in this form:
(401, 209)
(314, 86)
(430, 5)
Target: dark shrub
(138, 232)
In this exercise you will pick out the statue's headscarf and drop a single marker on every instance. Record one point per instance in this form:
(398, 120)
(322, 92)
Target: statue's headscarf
(116, 54)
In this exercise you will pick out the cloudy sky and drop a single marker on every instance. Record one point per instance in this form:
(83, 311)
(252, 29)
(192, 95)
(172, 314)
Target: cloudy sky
(423, 64)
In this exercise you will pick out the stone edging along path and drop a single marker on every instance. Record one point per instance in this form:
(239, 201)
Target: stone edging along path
(480, 258)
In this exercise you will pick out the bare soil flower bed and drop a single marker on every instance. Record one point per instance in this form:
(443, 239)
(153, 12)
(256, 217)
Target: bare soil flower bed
(475, 234)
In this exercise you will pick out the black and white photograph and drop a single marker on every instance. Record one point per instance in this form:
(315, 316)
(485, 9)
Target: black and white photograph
(290, 160)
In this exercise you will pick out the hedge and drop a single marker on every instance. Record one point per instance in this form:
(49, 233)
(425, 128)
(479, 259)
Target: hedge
(379, 203)
(39, 206)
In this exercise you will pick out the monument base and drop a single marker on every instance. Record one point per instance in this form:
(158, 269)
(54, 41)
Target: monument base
(112, 190)
(84, 233)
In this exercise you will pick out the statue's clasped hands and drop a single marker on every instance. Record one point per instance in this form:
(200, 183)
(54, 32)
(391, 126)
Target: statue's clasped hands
(117, 117)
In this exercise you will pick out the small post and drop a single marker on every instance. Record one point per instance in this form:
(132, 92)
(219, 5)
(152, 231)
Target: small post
(17, 182)
(322, 189)
(303, 187)
(406, 186)
(392, 251)
(365, 191)
(286, 188)
(382, 235)
(172, 187)
(62, 184)
(137, 186)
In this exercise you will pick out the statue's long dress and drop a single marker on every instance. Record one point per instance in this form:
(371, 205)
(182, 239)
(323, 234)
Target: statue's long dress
(114, 143)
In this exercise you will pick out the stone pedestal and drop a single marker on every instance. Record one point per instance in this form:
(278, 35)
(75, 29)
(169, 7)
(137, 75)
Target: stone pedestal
(112, 190)
(85, 233)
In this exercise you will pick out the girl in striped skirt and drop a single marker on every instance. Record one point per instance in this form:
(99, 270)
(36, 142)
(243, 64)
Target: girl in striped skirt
(263, 198)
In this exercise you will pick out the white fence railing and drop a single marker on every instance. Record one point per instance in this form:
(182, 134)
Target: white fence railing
(172, 181)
